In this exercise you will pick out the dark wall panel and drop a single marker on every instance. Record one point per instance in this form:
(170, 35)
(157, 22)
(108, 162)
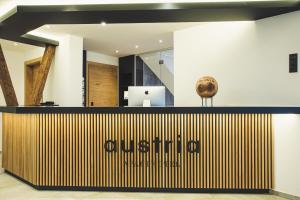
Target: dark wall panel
(84, 78)
(126, 76)
(139, 71)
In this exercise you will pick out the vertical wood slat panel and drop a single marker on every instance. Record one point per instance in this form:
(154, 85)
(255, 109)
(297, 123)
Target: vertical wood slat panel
(236, 150)
(19, 145)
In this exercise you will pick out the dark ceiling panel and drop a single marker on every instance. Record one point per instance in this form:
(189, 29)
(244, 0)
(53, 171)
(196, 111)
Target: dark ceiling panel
(28, 18)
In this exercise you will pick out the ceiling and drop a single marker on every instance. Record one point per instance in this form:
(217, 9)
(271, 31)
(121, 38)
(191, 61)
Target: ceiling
(16, 23)
(127, 39)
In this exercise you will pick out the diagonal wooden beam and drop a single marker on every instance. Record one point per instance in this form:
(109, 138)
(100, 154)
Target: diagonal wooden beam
(6, 83)
(42, 74)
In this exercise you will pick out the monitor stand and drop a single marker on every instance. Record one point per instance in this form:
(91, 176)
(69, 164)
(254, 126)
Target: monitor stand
(146, 103)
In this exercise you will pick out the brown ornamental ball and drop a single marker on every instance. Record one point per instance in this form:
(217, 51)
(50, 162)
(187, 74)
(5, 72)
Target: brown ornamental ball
(207, 87)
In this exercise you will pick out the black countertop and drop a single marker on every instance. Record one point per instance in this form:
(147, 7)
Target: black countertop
(220, 110)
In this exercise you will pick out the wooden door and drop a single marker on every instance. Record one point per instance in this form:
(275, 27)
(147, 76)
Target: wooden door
(31, 70)
(102, 85)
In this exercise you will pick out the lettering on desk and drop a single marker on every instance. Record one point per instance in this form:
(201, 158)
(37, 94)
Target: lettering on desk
(143, 146)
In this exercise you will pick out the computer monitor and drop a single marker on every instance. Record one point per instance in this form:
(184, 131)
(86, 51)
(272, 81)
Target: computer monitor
(137, 95)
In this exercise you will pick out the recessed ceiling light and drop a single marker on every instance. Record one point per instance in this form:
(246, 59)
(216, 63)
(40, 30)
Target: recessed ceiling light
(136, 46)
(48, 26)
(16, 44)
(103, 23)
(117, 51)
(160, 41)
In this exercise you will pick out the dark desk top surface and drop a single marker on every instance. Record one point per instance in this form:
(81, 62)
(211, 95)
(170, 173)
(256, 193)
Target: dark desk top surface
(154, 110)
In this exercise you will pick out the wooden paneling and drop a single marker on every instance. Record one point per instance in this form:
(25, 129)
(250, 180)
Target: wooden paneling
(102, 85)
(42, 74)
(19, 145)
(235, 150)
(31, 68)
(6, 83)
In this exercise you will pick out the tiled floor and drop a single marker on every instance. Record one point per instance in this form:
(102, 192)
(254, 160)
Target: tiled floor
(11, 188)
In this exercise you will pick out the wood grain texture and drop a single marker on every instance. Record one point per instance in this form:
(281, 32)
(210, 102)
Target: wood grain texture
(42, 74)
(235, 152)
(31, 68)
(102, 90)
(20, 145)
(6, 83)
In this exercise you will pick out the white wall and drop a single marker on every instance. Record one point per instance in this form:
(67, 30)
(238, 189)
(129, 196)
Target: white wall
(250, 62)
(15, 63)
(64, 84)
(248, 59)
(286, 156)
(102, 58)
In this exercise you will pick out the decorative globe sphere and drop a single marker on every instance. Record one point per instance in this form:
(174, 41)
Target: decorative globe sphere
(207, 87)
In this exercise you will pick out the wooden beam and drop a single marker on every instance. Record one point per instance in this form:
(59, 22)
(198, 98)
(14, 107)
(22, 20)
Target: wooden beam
(42, 74)
(6, 83)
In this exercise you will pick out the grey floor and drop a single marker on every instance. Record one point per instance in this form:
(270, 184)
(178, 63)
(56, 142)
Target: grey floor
(11, 188)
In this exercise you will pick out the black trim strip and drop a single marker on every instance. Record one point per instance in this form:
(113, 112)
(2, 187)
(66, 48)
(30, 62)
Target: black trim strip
(126, 189)
(153, 110)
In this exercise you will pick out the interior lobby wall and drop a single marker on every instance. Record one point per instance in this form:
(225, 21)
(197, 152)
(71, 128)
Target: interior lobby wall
(286, 156)
(15, 63)
(102, 58)
(250, 61)
(64, 83)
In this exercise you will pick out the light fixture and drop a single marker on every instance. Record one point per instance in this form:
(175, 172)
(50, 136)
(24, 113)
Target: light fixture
(16, 44)
(103, 23)
(48, 26)
(136, 46)
(117, 51)
(160, 41)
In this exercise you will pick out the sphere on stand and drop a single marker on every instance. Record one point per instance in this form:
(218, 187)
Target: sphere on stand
(207, 87)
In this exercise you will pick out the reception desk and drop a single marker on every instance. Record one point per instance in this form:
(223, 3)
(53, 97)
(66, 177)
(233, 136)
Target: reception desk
(188, 149)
